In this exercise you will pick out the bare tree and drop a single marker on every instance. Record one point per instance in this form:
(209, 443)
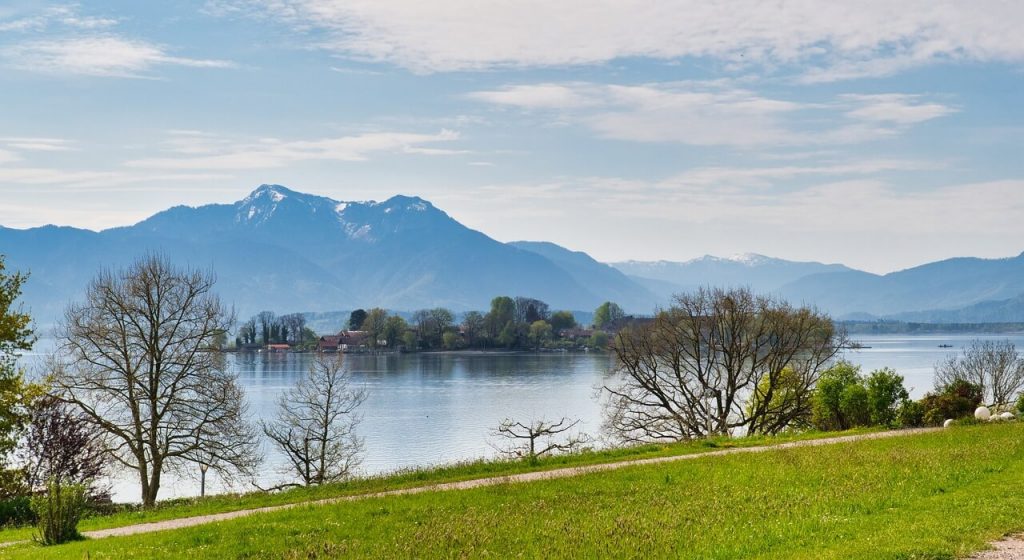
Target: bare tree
(139, 367)
(528, 310)
(267, 321)
(316, 421)
(296, 324)
(539, 437)
(247, 332)
(995, 366)
(714, 362)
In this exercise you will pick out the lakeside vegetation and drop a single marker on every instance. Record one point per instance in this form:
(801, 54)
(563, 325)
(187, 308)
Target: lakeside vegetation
(934, 495)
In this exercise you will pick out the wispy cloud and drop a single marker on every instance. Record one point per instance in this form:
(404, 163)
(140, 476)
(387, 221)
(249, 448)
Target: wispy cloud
(203, 152)
(37, 144)
(98, 55)
(63, 179)
(895, 108)
(55, 16)
(7, 156)
(840, 40)
(716, 113)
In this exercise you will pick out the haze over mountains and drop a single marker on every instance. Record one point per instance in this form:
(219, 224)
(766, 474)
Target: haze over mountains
(286, 251)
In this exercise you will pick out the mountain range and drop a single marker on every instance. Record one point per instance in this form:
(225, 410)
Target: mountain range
(286, 251)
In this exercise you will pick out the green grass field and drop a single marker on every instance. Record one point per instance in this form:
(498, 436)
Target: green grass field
(173, 509)
(936, 495)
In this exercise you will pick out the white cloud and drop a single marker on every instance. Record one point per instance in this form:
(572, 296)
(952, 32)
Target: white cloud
(767, 176)
(66, 16)
(104, 180)
(895, 108)
(97, 55)
(7, 156)
(716, 113)
(840, 39)
(37, 144)
(538, 96)
(218, 153)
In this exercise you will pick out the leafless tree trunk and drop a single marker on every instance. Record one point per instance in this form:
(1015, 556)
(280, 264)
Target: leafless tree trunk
(995, 366)
(316, 421)
(694, 370)
(526, 437)
(139, 366)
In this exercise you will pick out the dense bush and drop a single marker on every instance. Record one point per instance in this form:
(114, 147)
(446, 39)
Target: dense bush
(835, 402)
(886, 397)
(16, 511)
(845, 399)
(911, 414)
(59, 510)
(1020, 405)
(953, 401)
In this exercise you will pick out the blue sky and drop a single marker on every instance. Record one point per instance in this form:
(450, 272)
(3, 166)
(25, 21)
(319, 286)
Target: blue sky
(878, 134)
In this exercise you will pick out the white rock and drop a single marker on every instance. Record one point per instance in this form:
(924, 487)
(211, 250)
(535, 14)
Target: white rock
(947, 423)
(1007, 416)
(982, 413)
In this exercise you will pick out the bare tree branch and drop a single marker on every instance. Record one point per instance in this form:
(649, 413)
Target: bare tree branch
(995, 366)
(539, 438)
(139, 365)
(316, 421)
(715, 362)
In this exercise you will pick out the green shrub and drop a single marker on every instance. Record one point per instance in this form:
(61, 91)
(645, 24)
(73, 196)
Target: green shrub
(967, 421)
(59, 510)
(910, 415)
(16, 511)
(854, 406)
(827, 410)
(885, 395)
(956, 400)
(1020, 406)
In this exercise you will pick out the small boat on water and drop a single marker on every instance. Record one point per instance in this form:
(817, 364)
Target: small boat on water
(945, 346)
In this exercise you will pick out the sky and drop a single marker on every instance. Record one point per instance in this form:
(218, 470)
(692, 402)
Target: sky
(878, 134)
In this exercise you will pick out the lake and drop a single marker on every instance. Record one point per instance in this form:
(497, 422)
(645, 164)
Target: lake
(426, 409)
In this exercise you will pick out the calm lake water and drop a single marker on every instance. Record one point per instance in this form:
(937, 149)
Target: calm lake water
(426, 409)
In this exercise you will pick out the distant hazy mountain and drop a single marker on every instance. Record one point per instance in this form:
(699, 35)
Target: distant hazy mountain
(1001, 311)
(945, 285)
(601, 277)
(286, 251)
(760, 273)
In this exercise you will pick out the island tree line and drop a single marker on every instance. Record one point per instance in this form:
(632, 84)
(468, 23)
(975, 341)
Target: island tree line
(511, 323)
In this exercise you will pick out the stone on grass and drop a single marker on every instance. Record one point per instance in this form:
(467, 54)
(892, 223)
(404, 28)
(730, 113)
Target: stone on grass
(982, 413)
(1007, 416)
(947, 423)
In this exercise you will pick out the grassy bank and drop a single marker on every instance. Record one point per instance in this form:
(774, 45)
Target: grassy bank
(173, 509)
(935, 495)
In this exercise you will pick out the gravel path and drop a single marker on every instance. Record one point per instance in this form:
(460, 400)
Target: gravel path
(1010, 548)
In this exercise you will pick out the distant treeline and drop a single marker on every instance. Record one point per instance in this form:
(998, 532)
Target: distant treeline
(902, 327)
(510, 323)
